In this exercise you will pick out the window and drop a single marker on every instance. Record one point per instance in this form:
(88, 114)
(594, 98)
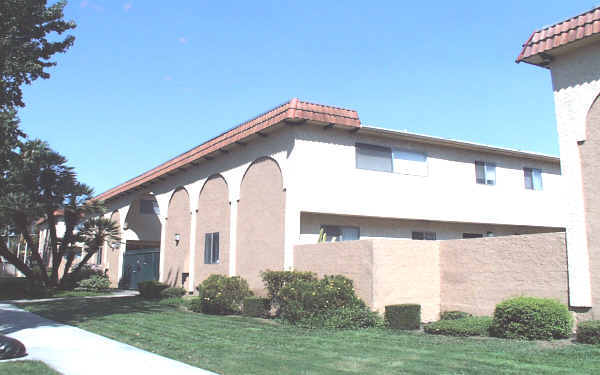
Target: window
(374, 158)
(211, 248)
(149, 207)
(472, 235)
(533, 178)
(338, 233)
(485, 173)
(99, 257)
(424, 236)
(410, 162)
(386, 159)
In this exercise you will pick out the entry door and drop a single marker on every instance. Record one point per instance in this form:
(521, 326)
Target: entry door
(139, 265)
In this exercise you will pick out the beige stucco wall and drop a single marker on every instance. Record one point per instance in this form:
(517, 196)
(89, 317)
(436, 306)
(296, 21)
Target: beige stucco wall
(576, 84)
(476, 274)
(406, 271)
(260, 235)
(353, 259)
(112, 255)
(590, 159)
(176, 254)
(212, 216)
(374, 227)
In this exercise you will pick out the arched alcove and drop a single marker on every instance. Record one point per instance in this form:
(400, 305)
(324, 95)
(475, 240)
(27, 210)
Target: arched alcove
(260, 223)
(177, 240)
(212, 229)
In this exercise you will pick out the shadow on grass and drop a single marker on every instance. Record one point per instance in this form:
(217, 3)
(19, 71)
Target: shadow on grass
(76, 311)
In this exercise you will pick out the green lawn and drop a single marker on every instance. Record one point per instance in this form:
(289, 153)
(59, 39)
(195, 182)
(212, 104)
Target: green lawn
(239, 345)
(26, 368)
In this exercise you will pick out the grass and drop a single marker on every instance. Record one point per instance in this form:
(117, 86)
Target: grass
(241, 345)
(26, 368)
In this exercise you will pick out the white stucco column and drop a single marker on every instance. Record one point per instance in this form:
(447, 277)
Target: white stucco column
(163, 243)
(292, 230)
(233, 213)
(192, 260)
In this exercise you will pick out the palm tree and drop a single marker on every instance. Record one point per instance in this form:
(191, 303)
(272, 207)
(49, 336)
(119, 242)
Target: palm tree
(95, 233)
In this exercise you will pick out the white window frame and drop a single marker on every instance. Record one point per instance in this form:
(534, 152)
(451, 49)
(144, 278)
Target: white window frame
(489, 169)
(533, 185)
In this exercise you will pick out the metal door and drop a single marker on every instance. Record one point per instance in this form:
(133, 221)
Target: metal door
(139, 265)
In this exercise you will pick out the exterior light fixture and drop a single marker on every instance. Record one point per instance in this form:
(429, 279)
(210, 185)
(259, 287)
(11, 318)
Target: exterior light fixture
(115, 245)
(126, 226)
(177, 238)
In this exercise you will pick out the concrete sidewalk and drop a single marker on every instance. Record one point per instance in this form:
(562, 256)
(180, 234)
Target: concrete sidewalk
(73, 351)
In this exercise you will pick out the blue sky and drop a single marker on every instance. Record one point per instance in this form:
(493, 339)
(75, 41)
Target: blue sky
(146, 81)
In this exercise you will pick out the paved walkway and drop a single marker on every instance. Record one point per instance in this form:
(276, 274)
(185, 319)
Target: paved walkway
(73, 351)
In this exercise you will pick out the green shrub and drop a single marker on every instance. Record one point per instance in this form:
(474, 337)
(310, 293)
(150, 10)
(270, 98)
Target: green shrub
(257, 306)
(151, 289)
(351, 317)
(13, 287)
(95, 283)
(532, 319)
(589, 332)
(173, 292)
(452, 315)
(87, 271)
(275, 280)
(405, 316)
(469, 326)
(300, 298)
(222, 294)
(195, 304)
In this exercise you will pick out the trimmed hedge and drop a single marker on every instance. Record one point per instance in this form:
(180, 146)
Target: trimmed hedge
(350, 317)
(404, 316)
(469, 326)
(257, 306)
(531, 318)
(151, 289)
(589, 332)
(222, 295)
(452, 315)
(173, 292)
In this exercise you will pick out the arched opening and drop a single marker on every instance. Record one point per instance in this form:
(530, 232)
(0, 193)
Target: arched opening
(212, 229)
(177, 240)
(261, 210)
(141, 234)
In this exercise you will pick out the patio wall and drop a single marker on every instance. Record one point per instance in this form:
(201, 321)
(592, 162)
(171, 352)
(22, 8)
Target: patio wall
(469, 275)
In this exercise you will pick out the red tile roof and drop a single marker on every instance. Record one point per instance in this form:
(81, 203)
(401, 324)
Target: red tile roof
(294, 111)
(549, 38)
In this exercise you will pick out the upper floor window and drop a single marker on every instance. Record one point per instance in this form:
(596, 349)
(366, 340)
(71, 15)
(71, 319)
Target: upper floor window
(410, 162)
(485, 173)
(424, 236)
(334, 233)
(149, 206)
(472, 235)
(386, 159)
(375, 158)
(99, 256)
(533, 178)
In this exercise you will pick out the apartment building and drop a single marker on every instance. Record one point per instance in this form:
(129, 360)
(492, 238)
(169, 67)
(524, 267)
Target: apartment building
(302, 172)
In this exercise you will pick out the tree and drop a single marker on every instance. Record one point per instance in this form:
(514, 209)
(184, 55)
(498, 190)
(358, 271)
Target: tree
(40, 183)
(25, 46)
(94, 234)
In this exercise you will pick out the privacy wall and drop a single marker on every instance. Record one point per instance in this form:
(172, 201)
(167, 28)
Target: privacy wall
(476, 274)
(471, 275)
